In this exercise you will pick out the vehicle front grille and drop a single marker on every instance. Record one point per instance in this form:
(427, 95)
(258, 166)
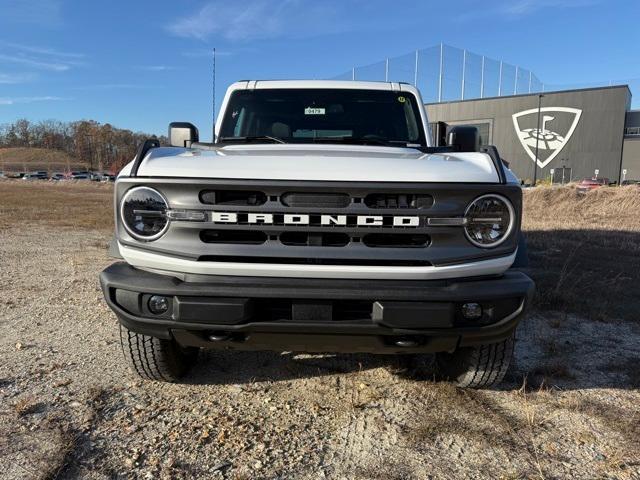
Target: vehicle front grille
(319, 223)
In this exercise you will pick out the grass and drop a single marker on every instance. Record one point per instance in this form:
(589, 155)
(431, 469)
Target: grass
(81, 205)
(540, 430)
(584, 250)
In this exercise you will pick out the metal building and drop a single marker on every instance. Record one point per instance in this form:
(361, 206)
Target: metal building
(576, 133)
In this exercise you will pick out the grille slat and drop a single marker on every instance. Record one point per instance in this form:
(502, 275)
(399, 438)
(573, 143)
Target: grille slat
(233, 197)
(241, 237)
(398, 201)
(315, 239)
(315, 200)
(400, 240)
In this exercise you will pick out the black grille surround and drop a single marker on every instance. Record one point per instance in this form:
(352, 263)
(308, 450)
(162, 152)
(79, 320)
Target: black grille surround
(350, 244)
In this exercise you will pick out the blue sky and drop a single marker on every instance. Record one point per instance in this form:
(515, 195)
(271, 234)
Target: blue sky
(141, 64)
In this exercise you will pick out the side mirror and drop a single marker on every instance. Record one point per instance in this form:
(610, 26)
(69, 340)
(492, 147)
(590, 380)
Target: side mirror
(464, 138)
(182, 134)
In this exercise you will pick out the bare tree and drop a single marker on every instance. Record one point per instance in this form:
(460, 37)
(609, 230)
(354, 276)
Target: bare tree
(97, 146)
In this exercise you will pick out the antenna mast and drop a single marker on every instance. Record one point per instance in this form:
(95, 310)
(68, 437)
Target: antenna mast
(213, 130)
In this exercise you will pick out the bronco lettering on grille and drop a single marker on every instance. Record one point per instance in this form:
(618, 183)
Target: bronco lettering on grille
(311, 219)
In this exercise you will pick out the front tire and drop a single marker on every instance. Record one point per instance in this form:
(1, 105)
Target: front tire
(480, 366)
(154, 358)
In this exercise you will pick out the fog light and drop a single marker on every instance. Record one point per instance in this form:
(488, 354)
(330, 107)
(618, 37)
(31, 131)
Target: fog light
(158, 304)
(472, 311)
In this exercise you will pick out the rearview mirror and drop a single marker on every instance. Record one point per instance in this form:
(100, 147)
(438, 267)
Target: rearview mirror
(464, 138)
(182, 134)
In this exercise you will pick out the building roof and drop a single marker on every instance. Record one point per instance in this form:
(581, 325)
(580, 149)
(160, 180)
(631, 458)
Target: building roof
(609, 87)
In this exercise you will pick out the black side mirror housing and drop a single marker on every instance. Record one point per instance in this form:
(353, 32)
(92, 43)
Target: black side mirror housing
(182, 134)
(464, 138)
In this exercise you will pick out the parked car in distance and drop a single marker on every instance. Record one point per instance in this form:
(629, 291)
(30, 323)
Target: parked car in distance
(34, 176)
(80, 175)
(624, 182)
(588, 184)
(58, 176)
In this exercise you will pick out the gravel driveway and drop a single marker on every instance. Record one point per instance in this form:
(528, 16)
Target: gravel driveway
(69, 408)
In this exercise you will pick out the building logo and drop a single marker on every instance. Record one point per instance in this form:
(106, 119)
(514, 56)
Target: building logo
(558, 124)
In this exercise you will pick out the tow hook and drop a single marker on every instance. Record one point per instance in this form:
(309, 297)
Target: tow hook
(219, 336)
(406, 342)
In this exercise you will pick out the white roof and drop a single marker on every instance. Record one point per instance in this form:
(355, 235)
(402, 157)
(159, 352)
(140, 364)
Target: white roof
(338, 84)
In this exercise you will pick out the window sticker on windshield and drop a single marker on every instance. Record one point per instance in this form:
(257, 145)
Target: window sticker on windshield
(314, 111)
(402, 99)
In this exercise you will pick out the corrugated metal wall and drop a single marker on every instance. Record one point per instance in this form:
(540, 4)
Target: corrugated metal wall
(596, 142)
(631, 158)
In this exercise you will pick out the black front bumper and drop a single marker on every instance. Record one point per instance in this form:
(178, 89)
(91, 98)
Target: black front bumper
(321, 315)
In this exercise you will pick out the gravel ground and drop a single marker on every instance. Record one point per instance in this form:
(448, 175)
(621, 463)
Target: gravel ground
(69, 408)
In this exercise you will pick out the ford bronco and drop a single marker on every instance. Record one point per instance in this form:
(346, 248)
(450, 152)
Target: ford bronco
(322, 218)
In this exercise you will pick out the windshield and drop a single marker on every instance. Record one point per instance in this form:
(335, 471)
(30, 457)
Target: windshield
(323, 115)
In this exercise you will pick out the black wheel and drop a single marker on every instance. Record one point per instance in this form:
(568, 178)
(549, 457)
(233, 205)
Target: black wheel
(154, 358)
(480, 366)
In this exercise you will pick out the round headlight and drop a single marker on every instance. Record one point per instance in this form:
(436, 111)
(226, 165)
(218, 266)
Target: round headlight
(144, 213)
(489, 220)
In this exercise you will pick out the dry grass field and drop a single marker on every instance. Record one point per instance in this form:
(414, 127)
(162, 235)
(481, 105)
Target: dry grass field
(77, 204)
(585, 250)
(69, 408)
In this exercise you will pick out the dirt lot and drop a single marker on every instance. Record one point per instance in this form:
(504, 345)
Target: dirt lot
(69, 407)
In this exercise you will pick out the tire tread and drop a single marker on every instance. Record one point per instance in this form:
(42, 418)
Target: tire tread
(480, 366)
(154, 358)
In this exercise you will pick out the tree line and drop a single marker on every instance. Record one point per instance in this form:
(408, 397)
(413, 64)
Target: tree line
(101, 147)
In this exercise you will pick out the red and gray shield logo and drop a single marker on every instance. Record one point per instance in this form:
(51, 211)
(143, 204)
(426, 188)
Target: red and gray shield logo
(557, 124)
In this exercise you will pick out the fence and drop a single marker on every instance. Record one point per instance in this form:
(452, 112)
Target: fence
(445, 73)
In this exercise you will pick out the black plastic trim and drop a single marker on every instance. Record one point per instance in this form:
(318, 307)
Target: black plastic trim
(143, 149)
(367, 336)
(492, 151)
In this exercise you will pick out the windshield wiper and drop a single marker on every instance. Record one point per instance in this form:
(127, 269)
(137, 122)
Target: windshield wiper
(361, 141)
(251, 138)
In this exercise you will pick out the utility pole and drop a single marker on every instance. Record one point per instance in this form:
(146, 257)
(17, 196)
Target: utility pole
(464, 71)
(440, 74)
(535, 164)
(213, 103)
(482, 79)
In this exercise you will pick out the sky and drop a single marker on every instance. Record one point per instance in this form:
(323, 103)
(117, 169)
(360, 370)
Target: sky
(140, 64)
